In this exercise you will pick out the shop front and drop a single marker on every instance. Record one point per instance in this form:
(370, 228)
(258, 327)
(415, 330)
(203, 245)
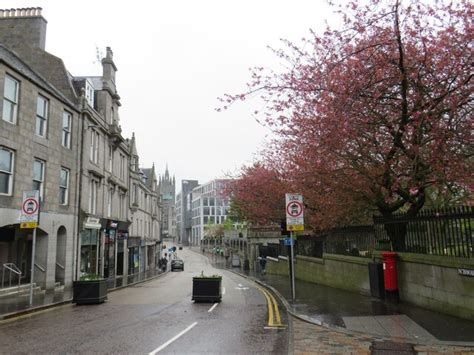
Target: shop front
(133, 255)
(151, 248)
(122, 238)
(90, 246)
(115, 236)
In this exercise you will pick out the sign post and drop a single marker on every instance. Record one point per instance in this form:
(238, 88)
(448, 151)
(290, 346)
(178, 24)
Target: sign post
(294, 222)
(29, 218)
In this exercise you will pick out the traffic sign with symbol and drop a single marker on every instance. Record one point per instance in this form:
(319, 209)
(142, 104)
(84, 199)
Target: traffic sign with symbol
(30, 207)
(294, 212)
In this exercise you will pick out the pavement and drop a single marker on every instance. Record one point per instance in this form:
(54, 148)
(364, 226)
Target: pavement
(16, 305)
(329, 320)
(325, 320)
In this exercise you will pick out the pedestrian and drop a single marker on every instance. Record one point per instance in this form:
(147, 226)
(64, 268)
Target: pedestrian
(263, 263)
(163, 262)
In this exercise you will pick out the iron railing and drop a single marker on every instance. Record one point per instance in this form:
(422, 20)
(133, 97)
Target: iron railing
(444, 232)
(353, 240)
(12, 268)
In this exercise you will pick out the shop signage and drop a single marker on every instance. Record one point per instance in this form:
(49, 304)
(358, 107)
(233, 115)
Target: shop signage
(92, 223)
(122, 235)
(113, 224)
(466, 272)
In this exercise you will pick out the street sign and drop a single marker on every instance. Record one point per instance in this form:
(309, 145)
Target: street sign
(294, 212)
(24, 225)
(29, 218)
(30, 207)
(288, 241)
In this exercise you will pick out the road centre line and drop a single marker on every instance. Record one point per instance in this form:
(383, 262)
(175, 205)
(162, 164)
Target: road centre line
(173, 339)
(212, 308)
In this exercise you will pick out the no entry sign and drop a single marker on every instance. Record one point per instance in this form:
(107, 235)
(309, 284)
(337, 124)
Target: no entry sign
(294, 212)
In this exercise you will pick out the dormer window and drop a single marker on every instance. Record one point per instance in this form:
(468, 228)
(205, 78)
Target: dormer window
(89, 93)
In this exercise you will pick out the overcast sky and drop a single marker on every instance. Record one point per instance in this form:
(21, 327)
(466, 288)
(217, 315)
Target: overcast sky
(174, 59)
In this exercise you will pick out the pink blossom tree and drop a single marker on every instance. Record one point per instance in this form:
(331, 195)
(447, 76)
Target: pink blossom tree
(378, 112)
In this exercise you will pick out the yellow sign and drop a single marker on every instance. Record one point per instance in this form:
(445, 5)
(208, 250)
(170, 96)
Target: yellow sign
(28, 224)
(295, 227)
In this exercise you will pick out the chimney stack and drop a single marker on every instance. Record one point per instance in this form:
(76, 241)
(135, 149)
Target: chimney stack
(23, 28)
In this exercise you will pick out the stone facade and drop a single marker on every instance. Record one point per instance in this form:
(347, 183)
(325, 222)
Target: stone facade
(427, 281)
(50, 151)
(168, 214)
(61, 134)
(144, 235)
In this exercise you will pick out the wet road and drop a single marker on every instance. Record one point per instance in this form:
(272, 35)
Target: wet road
(155, 317)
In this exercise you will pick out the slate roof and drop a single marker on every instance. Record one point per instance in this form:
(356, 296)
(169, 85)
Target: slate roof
(11, 59)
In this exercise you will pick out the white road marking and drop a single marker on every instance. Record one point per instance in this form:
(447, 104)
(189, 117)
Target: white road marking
(223, 290)
(173, 339)
(212, 308)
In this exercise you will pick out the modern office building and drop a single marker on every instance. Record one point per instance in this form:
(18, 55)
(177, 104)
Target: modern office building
(210, 206)
(184, 211)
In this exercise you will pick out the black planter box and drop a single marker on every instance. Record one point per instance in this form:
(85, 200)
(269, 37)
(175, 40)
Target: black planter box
(207, 289)
(89, 292)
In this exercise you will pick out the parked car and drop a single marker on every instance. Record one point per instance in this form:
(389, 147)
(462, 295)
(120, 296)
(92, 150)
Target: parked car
(177, 264)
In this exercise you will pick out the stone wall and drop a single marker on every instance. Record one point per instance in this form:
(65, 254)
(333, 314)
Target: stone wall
(427, 281)
(434, 282)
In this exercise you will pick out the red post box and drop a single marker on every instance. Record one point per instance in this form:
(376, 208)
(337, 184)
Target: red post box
(390, 274)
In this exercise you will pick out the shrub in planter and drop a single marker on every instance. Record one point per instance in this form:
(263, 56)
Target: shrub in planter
(90, 289)
(207, 288)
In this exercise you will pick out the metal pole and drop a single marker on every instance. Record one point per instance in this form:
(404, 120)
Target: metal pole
(293, 291)
(32, 266)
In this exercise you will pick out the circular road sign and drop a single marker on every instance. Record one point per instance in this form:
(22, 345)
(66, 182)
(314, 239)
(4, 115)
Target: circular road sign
(294, 208)
(30, 206)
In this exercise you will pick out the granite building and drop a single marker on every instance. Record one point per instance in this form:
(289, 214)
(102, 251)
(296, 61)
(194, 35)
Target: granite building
(168, 214)
(39, 150)
(143, 243)
(61, 135)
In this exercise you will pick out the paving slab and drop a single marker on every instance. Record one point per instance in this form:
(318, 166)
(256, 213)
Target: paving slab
(399, 326)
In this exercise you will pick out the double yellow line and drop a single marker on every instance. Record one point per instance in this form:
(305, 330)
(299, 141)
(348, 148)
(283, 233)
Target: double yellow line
(274, 318)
